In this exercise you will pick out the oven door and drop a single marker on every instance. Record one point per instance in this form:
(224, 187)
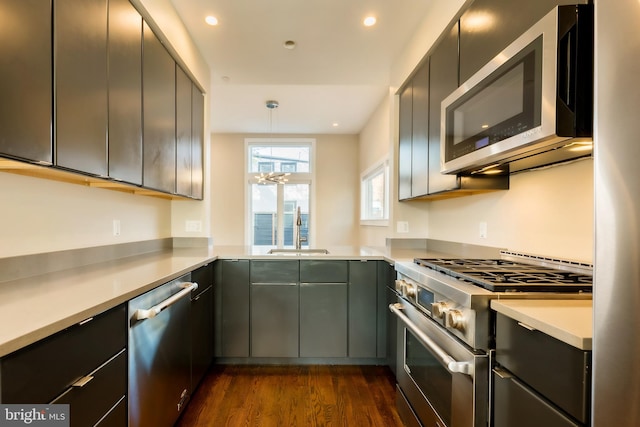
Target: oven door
(445, 383)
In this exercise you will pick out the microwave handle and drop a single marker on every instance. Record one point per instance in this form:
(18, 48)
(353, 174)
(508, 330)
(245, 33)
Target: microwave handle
(566, 74)
(449, 362)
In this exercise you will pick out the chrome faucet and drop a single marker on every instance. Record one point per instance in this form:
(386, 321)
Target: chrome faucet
(297, 235)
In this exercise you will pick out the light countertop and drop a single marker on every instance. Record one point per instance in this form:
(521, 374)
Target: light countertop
(38, 306)
(570, 321)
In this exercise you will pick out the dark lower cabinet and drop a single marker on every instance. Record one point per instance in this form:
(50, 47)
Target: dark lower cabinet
(538, 378)
(295, 309)
(274, 320)
(323, 320)
(25, 80)
(518, 405)
(84, 366)
(274, 308)
(232, 310)
(80, 61)
(202, 335)
(363, 298)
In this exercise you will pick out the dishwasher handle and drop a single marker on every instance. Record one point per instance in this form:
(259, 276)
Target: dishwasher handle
(141, 313)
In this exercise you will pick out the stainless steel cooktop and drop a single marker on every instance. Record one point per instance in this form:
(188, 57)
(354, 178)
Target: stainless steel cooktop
(500, 275)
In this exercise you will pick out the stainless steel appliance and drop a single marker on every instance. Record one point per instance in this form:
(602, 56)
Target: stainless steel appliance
(533, 98)
(616, 342)
(446, 329)
(160, 353)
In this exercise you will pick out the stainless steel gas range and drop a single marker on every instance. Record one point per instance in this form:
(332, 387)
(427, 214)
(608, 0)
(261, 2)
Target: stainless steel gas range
(446, 329)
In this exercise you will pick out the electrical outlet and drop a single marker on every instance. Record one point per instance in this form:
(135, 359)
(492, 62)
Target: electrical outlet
(402, 227)
(483, 230)
(116, 227)
(193, 226)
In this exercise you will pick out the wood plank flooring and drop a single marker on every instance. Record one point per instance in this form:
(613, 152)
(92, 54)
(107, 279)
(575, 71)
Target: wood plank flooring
(294, 396)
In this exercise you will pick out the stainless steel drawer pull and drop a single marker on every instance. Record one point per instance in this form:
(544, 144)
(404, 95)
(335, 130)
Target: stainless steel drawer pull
(82, 381)
(141, 313)
(524, 325)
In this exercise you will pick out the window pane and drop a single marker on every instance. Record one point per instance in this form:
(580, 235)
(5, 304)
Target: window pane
(279, 158)
(296, 195)
(264, 203)
(377, 186)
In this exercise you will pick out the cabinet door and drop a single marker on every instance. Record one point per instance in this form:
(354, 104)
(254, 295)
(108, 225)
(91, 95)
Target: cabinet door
(420, 132)
(80, 52)
(443, 79)
(159, 107)
(404, 145)
(25, 80)
(363, 299)
(183, 133)
(197, 142)
(489, 26)
(274, 320)
(386, 277)
(201, 332)
(323, 320)
(125, 92)
(234, 308)
(324, 271)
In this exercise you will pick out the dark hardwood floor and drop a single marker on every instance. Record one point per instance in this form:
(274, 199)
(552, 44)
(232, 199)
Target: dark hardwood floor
(231, 395)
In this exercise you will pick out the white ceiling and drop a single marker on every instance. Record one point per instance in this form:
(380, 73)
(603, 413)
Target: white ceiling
(338, 73)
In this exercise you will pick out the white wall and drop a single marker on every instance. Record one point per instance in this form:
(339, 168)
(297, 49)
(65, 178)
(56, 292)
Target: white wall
(40, 215)
(336, 199)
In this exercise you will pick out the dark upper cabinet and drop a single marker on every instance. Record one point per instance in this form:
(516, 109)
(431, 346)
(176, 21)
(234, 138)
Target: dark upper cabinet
(420, 132)
(197, 142)
(25, 80)
(80, 52)
(414, 123)
(404, 144)
(183, 133)
(488, 26)
(159, 120)
(443, 80)
(125, 92)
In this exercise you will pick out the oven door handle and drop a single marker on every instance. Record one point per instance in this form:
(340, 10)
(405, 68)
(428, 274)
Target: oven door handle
(449, 362)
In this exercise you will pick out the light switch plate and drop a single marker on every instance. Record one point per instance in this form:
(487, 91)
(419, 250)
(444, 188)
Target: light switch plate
(402, 227)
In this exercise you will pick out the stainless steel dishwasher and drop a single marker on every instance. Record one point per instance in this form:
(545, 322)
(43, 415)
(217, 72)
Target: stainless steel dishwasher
(160, 353)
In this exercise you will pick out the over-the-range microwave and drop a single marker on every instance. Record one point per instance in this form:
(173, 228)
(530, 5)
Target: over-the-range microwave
(532, 105)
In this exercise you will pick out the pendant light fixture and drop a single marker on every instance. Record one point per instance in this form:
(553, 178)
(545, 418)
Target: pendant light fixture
(272, 177)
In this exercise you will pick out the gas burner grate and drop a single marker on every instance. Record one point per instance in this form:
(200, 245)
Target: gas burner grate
(509, 276)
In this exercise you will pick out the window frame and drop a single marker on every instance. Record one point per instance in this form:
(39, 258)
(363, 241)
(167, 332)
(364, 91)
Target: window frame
(293, 178)
(381, 166)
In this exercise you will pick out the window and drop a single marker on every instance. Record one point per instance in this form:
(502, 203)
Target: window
(273, 206)
(374, 206)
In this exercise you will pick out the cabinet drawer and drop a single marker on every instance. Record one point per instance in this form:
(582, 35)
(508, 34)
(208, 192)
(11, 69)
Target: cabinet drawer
(92, 401)
(324, 271)
(117, 417)
(551, 367)
(517, 405)
(43, 370)
(285, 271)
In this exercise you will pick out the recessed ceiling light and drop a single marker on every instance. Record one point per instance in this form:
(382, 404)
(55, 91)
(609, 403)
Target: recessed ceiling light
(369, 21)
(289, 44)
(335, 124)
(211, 20)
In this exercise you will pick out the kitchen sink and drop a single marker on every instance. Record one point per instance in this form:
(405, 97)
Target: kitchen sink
(298, 252)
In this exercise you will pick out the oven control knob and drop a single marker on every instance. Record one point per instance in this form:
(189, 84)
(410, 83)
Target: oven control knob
(455, 319)
(438, 309)
(400, 285)
(410, 290)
